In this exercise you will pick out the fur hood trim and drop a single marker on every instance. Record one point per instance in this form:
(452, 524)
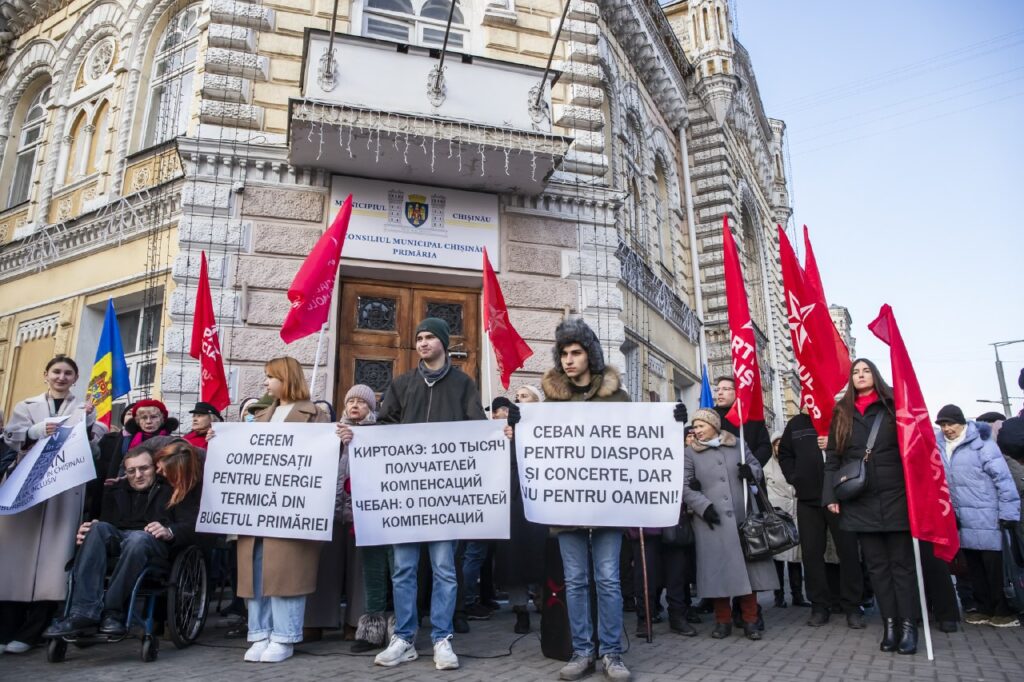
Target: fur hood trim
(727, 440)
(557, 385)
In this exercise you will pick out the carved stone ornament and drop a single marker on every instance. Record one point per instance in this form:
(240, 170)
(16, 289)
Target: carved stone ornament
(100, 59)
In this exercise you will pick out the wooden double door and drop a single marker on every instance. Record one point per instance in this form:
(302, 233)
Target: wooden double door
(377, 330)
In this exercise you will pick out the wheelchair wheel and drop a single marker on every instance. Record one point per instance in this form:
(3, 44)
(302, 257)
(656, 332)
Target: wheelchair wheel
(187, 597)
(56, 650)
(150, 648)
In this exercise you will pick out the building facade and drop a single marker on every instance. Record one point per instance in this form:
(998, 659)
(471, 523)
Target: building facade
(140, 134)
(844, 324)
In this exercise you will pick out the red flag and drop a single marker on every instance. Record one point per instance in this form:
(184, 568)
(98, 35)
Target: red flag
(928, 499)
(810, 327)
(749, 405)
(213, 385)
(313, 286)
(510, 350)
(837, 373)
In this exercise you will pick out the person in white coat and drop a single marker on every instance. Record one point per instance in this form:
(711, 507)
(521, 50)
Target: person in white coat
(36, 544)
(783, 496)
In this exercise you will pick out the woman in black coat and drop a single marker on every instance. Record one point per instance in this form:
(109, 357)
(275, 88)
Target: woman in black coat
(879, 514)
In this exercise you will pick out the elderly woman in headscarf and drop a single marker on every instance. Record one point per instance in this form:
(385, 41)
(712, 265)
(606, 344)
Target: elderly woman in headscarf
(715, 477)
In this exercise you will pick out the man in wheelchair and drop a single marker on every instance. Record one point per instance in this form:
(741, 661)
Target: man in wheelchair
(137, 528)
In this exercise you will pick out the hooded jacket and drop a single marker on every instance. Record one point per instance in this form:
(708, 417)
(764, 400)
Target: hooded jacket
(605, 387)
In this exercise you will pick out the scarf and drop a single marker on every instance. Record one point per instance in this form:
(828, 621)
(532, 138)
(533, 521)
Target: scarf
(431, 377)
(952, 445)
(862, 402)
(141, 436)
(713, 443)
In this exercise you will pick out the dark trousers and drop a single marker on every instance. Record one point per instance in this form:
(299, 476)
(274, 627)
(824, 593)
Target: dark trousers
(986, 571)
(25, 621)
(938, 585)
(814, 523)
(666, 569)
(796, 578)
(889, 558)
(134, 549)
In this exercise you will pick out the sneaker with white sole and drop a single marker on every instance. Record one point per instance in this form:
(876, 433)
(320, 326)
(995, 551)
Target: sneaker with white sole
(977, 618)
(615, 669)
(444, 657)
(578, 667)
(398, 651)
(16, 647)
(995, 621)
(256, 650)
(277, 652)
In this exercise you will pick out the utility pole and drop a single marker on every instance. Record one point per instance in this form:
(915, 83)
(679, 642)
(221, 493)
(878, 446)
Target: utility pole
(1003, 394)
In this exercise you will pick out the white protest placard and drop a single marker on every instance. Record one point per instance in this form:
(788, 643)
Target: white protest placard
(600, 464)
(426, 482)
(56, 463)
(274, 480)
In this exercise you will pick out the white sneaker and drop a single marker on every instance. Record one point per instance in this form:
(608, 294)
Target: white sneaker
(444, 657)
(256, 650)
(16, 647)
(398, 651)
(277, 652)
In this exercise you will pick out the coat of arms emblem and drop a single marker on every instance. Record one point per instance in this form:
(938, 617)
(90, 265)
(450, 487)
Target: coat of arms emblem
(416, 209)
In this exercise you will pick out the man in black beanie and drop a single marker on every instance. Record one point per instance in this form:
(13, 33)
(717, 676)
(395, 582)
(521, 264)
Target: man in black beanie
(435, 391)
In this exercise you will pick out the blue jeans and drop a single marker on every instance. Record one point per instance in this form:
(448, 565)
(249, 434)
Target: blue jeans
(137, 548)
(279, 618)
(443, 595)
(472, 562)
(605, 544)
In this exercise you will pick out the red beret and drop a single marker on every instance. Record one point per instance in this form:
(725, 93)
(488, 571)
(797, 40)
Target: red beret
(149, 402)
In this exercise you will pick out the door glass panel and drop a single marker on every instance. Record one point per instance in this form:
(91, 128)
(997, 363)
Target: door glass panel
(376, 313)
(450, 313)
(374, 373)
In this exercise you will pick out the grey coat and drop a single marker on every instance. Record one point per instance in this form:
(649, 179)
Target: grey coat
(722, 570)
(36, 544)
(982, 489)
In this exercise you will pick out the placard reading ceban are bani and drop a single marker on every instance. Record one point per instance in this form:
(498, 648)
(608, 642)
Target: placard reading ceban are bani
(425, 482)
(600, 464)
(273, 480)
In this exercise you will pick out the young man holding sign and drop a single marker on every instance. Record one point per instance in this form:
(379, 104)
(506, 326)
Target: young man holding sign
(580, 374)
(436, 391)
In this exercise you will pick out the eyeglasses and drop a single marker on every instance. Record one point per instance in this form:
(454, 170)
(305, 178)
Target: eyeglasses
(138, 471)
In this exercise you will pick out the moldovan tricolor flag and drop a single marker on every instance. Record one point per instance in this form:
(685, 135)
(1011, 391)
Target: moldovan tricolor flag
(510, 350)
(811, 329)
(109, 379)
(749, 403)
(213, 385)
(313, 287)
(928, 499)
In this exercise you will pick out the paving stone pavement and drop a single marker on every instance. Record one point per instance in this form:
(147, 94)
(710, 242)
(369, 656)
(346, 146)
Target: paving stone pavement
(790, 651)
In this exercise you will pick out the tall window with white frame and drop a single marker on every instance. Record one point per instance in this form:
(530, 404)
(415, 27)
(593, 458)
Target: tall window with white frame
(415, 22)
(140, 338)
(170, 86)
(29, 141)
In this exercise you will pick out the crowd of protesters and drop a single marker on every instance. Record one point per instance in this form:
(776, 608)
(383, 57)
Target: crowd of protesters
(855, 552)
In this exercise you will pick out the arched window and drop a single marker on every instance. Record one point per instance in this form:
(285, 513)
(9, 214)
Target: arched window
(416, 22)
(663, 225)
(29, 140)
(78, 156)
(101, 126)
(170, 86)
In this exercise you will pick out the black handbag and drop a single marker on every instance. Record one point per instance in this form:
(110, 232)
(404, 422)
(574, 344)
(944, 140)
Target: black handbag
(852, 477)
(1013, 571)
(681, 534)
(768, 531)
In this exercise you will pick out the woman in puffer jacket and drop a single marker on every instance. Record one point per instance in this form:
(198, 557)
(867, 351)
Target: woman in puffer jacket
(985, 500)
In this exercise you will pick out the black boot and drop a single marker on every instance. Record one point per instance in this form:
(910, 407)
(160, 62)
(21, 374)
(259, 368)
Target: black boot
(522, 625)
(908, 637)
(888, 635)
(780, 599)
(677, 623)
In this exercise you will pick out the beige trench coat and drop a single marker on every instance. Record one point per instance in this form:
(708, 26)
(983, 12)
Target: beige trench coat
(289, 566)
(37, 544)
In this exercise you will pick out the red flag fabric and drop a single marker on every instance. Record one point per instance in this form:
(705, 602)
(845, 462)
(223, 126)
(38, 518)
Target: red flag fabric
(837, 374)
(928, 499)
(313, 287)
(749, 405)
(213, 385)
(810, 327)
(510, 350)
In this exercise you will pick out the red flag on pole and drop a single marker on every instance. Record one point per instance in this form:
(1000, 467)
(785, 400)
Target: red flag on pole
(749, 405)
(213, 385)
(313, 286)
(811, 328)
(928, 500)
(837, 373)
(509, 348)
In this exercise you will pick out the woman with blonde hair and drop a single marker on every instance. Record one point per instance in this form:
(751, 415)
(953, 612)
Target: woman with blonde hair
(276, 574)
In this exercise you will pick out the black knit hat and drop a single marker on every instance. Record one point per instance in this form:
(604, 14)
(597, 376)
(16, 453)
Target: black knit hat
(499, 402)
(951, 414)
(990, 417)
(575, 330)
(437, 327)
(1011, 438)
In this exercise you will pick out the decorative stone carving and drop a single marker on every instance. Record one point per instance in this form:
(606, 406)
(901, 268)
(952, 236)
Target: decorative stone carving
(100, 59)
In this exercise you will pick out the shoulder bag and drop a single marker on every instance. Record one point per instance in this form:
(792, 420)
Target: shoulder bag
(681, 534)
(852, 477)
(768, 531)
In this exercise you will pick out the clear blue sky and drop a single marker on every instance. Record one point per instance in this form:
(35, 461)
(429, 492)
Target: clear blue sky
(906, 133)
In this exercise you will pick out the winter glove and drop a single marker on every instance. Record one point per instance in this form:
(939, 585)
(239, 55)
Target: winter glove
(746, 473)
(1006, 524)
(695, 485)
(680, 413)
(513, 414)
(711, 517)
